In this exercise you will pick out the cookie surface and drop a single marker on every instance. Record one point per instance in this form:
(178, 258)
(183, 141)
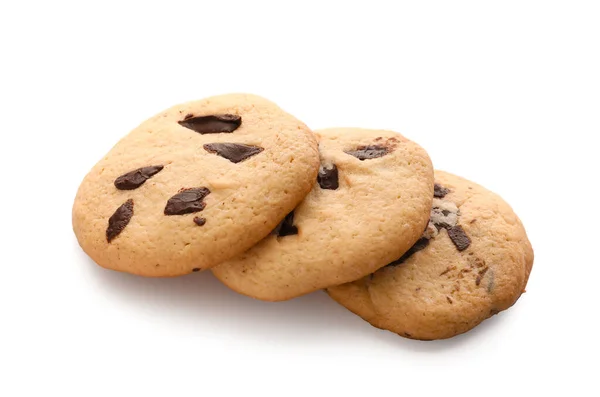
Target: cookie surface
(472, 262)
(369, 204)
(194, 186)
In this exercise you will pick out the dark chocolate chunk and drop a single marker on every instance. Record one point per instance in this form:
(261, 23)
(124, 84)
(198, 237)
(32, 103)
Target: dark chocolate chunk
(199, 221)
(439, 191)
(234, 152)
(369, 152)
(134, 179)
(187, 201)
(459, 237)
(212, 124)
(328, 177)
(421, 244)
(196, 269)
(286, 226)
(118, 220)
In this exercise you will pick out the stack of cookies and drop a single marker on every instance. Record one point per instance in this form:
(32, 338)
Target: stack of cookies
(234, 184)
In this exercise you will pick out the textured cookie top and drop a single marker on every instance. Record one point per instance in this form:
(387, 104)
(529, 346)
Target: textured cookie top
(369, 204)
(473, 261)
(195, 185)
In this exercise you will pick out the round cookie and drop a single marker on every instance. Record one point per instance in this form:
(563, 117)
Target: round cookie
(195, 185)
(369, 205)
(472, 262)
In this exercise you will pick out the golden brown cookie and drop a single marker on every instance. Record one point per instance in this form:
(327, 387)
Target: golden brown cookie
(369, 205)
(194, 186)
(472, 262)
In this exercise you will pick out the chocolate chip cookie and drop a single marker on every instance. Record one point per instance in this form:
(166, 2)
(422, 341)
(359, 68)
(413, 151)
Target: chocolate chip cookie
(195, 185)
(369, 204)
(472, 261)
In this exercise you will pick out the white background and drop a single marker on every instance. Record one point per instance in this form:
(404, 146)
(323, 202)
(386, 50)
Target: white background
(504, 93)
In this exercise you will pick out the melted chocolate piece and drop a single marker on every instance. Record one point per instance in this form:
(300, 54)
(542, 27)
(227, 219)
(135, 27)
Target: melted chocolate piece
(439, 191)
(134, 179)
(196, 269)
(328, 177)
(459, 238)
(187, 201)
(442, 225)
(369, 152)
(286, 226)
(212, 124)
(421, 244)
(234, 152)
(439, 223)
(199, 221)
(118, 220)
(456, 233)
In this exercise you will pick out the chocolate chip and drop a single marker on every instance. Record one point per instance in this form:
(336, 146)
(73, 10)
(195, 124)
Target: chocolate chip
(118, 220)
(196, 269)
(480, 276)
(134, 179)
(421, 244)
(459, 238)
(369, 152)
(328, 177)
(286, 226)
(448, 269)
(187, 201)
(439, 191)
(199, 221)
(212, 124)
(234, 152)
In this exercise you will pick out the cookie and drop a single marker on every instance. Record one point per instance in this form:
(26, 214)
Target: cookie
(195, 185)
(472, 262)
(369, 204)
